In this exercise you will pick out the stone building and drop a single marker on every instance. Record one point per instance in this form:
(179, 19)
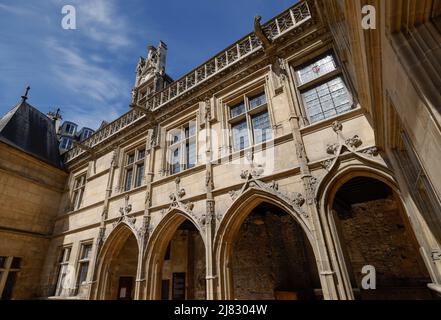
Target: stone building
(279, 169)
(32, 181)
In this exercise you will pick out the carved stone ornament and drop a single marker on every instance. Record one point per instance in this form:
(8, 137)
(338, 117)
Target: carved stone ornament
(101, 238)
(337, 126)
(207, 110)
(124, 211)
(327, 164)
(332, 148)
(144, 229)
(371, 152)
(296, 200)
(208, 181)
(176, 200)
(354, 142)
(310, 183)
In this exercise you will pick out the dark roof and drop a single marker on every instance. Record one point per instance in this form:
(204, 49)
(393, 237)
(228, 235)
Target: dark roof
(27, 129)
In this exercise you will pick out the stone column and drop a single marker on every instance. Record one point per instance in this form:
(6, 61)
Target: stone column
(143, 233)
(210, 205)
(326, 272)
(93, 288)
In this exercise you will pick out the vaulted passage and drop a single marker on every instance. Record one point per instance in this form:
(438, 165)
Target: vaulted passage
(272, 259)
(183, 269)
(374, 230)
(121, 272)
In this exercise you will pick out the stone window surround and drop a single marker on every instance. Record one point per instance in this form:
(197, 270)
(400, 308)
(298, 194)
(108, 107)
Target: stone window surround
(164, 131)
(181, 144)
(77, 201)
(259, 85)
(80, 262)
(62, 262)
(323, 79)
(122, 150)
(138, 160)
(309, 55)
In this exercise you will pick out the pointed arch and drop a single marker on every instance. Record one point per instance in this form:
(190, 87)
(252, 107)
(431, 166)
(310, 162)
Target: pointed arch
(343, 173)
(157, 245)
(230, 225)
(113, 244)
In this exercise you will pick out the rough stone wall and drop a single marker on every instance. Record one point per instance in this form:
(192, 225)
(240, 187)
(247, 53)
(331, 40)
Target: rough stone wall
(271, 257)
(376, 235)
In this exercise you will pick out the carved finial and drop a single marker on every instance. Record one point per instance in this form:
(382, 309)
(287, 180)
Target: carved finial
(25, 96)
(337, 126)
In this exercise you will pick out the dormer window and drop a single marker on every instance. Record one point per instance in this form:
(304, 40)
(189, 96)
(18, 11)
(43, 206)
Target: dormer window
(70, 128)
(87, 134)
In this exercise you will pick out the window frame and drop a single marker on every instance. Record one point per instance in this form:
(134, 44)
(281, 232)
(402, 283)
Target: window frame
(62, 264)
(67, 142)
(78, 191)
(83, 261)
(183, 145)
(6, 270)
(248, 115)
(302, 88)
(133, 167)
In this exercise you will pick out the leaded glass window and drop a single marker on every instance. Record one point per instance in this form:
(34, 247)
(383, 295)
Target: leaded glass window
(249, 120)
(182, 150)
(323, 90)
(134, 168)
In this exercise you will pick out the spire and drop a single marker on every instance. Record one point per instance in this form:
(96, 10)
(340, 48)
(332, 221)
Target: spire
(25, 97)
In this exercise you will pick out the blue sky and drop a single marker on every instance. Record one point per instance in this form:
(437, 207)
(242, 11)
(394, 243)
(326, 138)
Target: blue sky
(89, 72)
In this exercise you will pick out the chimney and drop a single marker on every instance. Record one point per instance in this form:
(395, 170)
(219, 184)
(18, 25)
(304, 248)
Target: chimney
(56, 119)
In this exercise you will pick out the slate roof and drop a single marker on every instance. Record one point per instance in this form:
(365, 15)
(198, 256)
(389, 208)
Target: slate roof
(29, 130)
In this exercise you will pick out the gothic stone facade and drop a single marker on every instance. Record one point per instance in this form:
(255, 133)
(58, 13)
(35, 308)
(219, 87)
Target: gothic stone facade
(278, 169)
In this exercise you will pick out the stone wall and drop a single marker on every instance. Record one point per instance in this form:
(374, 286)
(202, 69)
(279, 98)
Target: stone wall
(271, 257)
(30, 192)
(375, 234)
(187, 255)
(124, 265)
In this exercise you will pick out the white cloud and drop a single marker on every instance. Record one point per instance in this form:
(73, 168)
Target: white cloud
(90, 117)
(95, 87)
(17, 10)
(100, 21)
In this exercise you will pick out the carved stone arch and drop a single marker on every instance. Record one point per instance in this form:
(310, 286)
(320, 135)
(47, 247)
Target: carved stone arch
(333, 167)
(326, 193)
(111, 247)
(230, 226)
(157, 245)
